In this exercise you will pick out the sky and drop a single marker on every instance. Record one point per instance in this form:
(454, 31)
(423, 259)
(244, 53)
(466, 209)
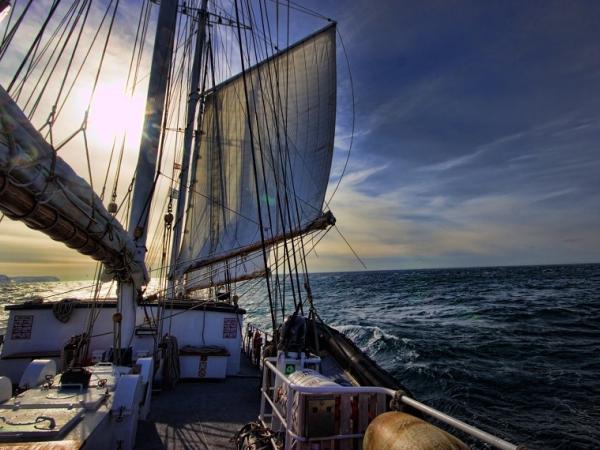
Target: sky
(476, 139)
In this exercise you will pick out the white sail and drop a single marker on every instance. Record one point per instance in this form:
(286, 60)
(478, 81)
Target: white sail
(239, 268)
(43, 191)
(292, 98)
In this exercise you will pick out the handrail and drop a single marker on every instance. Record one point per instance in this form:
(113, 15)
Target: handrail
(469, 429)
(247, 345)
(319, 390)
(253, 327)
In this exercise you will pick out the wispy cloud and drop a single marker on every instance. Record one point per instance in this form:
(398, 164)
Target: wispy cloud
(453, 162)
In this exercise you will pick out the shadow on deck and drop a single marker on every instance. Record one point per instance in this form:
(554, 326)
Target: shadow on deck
(202, 415)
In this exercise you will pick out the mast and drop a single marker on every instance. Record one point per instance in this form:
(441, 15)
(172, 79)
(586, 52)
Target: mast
(193, 98)
(146, 165)
(155, 102)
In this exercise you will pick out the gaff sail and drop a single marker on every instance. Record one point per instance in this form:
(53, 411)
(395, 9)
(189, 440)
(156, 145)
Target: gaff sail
(40, 189)
(292, 98)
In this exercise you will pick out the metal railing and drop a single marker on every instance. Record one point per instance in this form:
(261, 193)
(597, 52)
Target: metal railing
(356, 407)
(252, 351)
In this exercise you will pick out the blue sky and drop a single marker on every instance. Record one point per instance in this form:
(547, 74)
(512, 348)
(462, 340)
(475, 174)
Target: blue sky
(478, 132)
(476, 140)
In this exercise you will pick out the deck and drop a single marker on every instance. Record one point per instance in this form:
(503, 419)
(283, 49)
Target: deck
(202, 415)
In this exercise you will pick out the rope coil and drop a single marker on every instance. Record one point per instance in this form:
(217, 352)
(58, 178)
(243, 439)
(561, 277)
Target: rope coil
(63, 309)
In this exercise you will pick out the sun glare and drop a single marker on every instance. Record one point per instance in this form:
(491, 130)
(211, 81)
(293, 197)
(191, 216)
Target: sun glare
(114, 114)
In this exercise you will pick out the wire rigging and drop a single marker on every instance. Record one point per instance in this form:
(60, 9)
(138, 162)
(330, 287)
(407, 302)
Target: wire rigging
(273, 149)
(254, 164)
(34, 44)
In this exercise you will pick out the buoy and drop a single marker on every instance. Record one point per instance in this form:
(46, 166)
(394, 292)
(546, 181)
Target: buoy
(400, 431)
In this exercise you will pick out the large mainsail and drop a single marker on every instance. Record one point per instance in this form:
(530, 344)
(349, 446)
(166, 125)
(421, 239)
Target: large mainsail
(292, 98)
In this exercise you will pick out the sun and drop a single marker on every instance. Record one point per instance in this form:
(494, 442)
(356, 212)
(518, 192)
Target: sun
(114, 114)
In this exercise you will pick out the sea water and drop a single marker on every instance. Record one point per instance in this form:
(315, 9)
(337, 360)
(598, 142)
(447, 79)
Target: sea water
(512, 350)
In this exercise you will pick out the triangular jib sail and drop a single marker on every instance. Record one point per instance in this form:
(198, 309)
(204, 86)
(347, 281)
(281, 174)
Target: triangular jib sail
(292, 104)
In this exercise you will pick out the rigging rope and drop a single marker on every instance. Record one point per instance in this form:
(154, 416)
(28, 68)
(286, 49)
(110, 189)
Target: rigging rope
(35, 43)
(58, 59)
(350, 247)
(277, 133)
(353, 120)
(130, 84)
(256, 185)
(8, 35)
(37, 56)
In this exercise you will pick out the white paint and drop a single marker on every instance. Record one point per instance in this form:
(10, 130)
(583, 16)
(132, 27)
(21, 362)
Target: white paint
(48, 335)
(215, 366)
(36, 372)
(125, 410)
(5, 389)
(199, 328)
(146, 372)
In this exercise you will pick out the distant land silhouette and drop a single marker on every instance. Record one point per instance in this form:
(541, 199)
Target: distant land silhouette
(30, 279)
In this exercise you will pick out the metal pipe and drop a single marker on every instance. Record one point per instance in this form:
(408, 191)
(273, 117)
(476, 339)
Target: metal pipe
(458, 424)
(261, 416)
(274, 406)
(289, 400)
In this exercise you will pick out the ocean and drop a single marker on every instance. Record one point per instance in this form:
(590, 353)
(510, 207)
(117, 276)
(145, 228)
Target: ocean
(512, 350)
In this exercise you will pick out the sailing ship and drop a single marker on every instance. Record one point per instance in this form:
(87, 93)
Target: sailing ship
(251, 156)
